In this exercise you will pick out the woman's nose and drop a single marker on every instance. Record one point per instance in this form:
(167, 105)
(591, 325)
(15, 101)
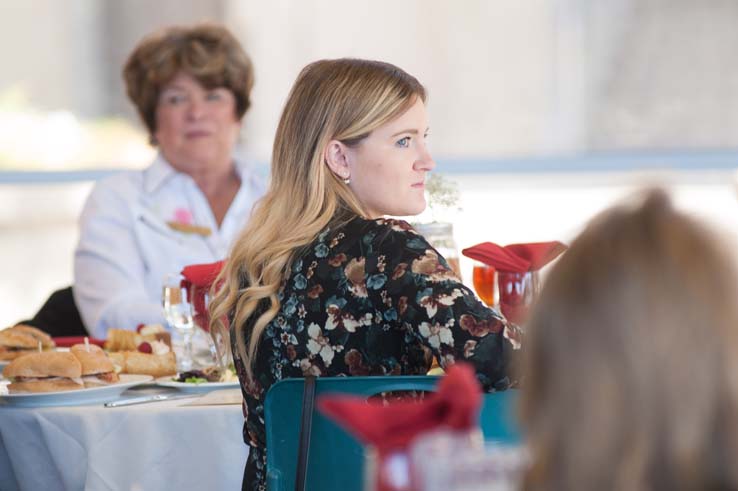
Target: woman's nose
(196, 108)
(425, 160)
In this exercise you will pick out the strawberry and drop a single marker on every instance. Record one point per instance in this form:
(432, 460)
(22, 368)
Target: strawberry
(145, 347)
(139, 327)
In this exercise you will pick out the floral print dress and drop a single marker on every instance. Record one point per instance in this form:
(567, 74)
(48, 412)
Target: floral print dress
(370, 298)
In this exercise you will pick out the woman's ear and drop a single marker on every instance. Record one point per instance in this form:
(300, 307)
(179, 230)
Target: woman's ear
(336, 158)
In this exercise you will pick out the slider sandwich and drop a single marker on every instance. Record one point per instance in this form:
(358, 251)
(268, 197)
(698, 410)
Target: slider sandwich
(48, 371)
(97, 368)
(21, 339)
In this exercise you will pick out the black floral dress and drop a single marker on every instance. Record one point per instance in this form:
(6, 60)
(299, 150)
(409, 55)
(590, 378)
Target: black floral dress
(370, 298)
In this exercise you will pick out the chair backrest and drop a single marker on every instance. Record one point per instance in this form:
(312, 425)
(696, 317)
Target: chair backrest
(336, 459)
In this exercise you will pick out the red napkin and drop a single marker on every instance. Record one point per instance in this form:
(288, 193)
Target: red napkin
(202, 274)
(198, 278)
(516, 258)
(68, 341)
(516, 265)
(455, 404)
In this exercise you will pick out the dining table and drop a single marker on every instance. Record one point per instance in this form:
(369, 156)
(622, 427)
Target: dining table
(185, 443)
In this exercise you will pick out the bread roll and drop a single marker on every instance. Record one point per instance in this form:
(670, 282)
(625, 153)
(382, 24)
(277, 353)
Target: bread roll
(121, 340)
(11, 338)
(45, 364)
(87, 348)
(20, 340)
(92, 358)
(145, 363)
(44, 385)
(35, 333)
(7, 354)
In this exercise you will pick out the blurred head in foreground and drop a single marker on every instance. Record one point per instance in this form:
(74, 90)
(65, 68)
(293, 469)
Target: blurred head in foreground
(631, 375)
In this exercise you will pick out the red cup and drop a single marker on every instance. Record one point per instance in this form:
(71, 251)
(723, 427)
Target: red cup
(518, 292)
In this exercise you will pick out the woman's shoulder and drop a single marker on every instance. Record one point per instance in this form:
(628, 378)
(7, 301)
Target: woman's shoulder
(382, 227)
(383, 235)
(121, 186)
(130, 185)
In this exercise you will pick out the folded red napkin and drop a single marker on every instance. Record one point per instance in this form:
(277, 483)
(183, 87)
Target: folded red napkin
(516, 258)
(455, 405)
(198, 279)
(202, 274)
(68, 341)
(516, 266)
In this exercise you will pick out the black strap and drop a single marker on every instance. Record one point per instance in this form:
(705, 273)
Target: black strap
(308, 403)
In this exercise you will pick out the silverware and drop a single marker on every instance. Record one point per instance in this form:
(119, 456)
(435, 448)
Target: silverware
(150, 398)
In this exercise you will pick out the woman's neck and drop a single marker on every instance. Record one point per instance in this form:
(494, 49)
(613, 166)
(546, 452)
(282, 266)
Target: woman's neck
(220, 187)
(213, 180)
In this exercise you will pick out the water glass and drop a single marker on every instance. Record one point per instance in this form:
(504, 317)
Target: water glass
(221, 337)
(444, 460)
(179, 315)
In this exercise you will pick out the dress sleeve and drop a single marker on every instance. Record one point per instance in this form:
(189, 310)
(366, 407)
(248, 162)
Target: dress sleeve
(108, 267)
(430, 303)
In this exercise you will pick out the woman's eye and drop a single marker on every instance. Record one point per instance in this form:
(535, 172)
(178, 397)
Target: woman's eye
(214, 96)
(174, 99)
(404, 142)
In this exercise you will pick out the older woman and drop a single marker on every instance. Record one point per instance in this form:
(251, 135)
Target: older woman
(191, 87)
(630, 378)
(320, 282)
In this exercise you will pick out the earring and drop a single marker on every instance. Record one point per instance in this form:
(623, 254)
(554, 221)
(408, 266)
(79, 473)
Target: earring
(347, 180)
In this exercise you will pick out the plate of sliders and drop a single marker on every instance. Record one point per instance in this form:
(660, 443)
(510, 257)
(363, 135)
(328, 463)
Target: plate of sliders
(202, 380)
(82, 375)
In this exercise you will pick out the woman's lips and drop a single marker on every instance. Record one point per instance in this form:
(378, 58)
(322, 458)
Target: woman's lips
(197, 134)
(419, 185)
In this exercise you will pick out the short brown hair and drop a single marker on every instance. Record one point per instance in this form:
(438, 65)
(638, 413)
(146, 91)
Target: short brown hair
(632, 358)
(207, 52)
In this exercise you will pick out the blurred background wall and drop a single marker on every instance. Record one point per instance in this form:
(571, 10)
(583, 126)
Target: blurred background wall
(544, 111)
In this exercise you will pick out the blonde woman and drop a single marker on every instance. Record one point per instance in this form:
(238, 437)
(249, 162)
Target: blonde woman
(319, 282)
(632, 357)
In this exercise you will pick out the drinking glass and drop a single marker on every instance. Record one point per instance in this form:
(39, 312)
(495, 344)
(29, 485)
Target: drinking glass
(452, 460)
(484, 283)
(518, 292)
(221, 338)
(178, 312)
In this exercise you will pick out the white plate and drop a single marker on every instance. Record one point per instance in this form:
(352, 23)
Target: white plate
(187, 387)
(93, 395)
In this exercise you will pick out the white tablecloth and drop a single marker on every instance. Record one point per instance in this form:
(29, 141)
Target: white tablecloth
(155, 446)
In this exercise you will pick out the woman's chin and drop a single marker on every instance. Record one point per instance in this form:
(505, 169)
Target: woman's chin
(411, 210)
(197, 160)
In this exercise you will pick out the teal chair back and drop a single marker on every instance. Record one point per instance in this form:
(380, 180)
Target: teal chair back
(336, 459)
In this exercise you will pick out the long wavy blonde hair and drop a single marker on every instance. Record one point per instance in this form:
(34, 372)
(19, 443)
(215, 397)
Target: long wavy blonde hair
(344, 100)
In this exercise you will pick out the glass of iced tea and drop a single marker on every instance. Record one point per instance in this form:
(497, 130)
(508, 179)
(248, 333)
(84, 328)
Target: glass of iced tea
(483, 277)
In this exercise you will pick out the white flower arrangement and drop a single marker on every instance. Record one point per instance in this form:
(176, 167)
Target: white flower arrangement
(442, 197)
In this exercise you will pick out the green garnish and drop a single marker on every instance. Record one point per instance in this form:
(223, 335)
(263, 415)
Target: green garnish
(196, 380)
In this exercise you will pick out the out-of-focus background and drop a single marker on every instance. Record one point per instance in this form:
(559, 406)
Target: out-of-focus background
(543, 111)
